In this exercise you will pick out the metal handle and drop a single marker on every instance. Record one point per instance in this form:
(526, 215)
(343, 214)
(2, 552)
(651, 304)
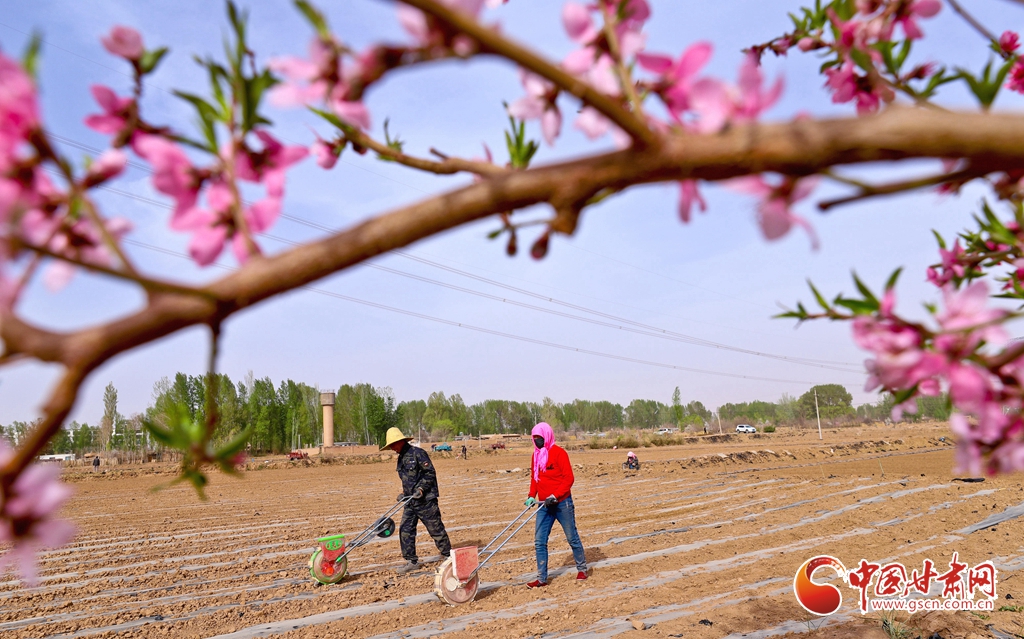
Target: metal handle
(502, 544)
(513, 522)
(364, 537)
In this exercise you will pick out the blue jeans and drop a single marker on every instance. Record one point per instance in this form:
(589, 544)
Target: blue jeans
(565, 513)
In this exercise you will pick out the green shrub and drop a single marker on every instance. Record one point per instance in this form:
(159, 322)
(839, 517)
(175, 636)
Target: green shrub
(769, 429)
(597, 443)
(627, 441)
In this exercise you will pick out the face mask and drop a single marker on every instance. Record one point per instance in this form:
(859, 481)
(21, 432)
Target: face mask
(538, 441)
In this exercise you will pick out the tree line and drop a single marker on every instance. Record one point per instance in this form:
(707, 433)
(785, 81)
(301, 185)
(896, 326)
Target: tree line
(281, 417)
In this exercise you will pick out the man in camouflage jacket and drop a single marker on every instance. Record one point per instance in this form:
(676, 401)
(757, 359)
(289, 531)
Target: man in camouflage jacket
(420, 482)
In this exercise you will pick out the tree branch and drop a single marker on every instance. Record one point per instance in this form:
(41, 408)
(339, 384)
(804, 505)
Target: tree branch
(869, 191)
(795, 148)
(145, 282)
(447, 166)
(493, 42)
(979, 27)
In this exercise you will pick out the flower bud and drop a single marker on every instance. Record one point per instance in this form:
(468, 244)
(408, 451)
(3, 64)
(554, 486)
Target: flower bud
(110, 164)
(124, 42)
(1009, 41)
(540, 247)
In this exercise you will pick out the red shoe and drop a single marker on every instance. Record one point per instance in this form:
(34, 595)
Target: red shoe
(537, 583)
(581, 576)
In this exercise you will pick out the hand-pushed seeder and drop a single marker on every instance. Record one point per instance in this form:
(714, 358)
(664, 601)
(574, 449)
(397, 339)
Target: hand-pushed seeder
(329, 562)
(455, 581)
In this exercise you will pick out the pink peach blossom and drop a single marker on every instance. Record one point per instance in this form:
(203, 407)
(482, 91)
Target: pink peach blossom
(27, 516)
(19, 110)
(173, 173)
(538, 103)
(1016, 81)
(774, 210)
(677, 76)
(688, 195)
(114, 116)
(753, 99)
(1009, 41)
(110, 163)
(918, 9)
(326, 154)
(968, 308)
(124, 42)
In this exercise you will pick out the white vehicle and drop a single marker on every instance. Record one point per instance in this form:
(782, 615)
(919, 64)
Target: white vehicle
(745, 428)
(664, 431)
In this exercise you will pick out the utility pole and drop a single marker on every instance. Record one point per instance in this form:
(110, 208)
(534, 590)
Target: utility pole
(719, 423)
(817, 412)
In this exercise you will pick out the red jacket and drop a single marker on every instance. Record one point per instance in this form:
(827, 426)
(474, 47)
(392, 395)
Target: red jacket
(556, 479)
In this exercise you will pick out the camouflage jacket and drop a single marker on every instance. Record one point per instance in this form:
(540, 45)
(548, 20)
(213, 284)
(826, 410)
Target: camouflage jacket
(417, 471)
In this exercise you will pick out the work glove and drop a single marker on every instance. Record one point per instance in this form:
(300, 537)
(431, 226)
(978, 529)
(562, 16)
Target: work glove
(401, 496)
(530, 501)
(417, 494)
(551, 502)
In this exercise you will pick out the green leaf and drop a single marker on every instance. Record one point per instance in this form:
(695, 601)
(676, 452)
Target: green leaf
(885, 48)
(30, 59)
(314, 16)
(901, 57)
(208, 117)
(238, 23)
(862, 59)
(865, 291)
(494, 234)
(235, 444)
(858, 307)
(818, 296)
(901, 396)
(938, 238)
(330, 117)
(150, 59)
(891, 282)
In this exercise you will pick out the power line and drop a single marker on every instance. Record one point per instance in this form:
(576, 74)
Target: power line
(662, 334)
(640, 328)
(489, 331)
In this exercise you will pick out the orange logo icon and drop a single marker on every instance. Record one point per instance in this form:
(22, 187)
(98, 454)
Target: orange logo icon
(819, 599)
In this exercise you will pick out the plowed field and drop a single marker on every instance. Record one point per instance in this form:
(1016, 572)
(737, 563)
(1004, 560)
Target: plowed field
(703, 541)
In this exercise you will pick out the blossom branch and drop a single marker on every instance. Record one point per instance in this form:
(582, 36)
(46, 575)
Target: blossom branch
(493, 42)
(869, 191)
(620, 69)
(979, 27)
(795, 148)
(447, 166)
(147, 283)
(109, 240)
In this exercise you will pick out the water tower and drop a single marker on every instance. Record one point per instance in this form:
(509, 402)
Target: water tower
(327, 401)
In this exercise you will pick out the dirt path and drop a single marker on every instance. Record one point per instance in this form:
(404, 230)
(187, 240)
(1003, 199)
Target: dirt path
(710, 531)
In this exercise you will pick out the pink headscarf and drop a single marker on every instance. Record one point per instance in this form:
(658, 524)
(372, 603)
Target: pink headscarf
(540, 455)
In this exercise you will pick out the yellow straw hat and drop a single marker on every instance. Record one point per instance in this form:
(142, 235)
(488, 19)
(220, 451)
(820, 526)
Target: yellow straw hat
(393, 435)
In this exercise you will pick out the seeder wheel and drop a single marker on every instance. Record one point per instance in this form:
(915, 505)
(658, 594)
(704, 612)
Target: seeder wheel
(447, 588)
(327, 572)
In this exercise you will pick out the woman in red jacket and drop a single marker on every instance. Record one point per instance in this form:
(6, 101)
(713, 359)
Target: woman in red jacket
(551, 482)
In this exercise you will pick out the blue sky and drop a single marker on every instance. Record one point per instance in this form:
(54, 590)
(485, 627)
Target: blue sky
(715, 279)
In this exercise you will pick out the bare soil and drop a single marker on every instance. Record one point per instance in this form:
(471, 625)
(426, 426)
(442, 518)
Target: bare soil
(702, 542)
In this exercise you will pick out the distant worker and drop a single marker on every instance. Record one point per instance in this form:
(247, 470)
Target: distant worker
(551, 481)
(464, 454)
(632, 463)
(96, 464)
(419, 481)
